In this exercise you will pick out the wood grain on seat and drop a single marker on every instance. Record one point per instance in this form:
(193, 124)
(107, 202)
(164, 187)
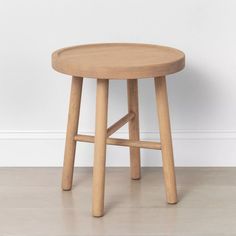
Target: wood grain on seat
(118, 60)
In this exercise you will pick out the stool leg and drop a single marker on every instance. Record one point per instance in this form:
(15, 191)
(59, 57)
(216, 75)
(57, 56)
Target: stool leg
(132, 90)
(100, 147)
(166, 141)
(72, 128)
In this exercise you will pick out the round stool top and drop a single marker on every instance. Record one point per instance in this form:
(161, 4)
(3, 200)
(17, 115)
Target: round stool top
(118, 61)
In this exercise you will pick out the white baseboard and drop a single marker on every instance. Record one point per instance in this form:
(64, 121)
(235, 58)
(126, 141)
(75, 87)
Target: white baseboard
(45, 148)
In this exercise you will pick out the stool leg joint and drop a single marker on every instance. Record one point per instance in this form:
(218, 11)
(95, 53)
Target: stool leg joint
(121, 122)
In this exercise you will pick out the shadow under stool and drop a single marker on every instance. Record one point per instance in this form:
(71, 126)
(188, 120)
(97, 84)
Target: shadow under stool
(105, 62)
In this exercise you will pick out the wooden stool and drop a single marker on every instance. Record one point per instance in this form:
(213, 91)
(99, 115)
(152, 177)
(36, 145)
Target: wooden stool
(118, 61)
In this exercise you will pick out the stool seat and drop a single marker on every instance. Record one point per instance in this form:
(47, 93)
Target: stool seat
(118, 61)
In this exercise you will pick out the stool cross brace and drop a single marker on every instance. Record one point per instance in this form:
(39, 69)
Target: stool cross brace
(120, 142)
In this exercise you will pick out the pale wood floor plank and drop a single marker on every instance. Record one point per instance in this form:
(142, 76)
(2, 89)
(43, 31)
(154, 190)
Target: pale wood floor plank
(32, 203)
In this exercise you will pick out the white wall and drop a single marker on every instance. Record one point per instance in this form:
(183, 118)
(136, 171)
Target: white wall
(34, 98)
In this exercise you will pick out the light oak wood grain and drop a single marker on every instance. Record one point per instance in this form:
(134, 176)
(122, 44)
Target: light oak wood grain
(100, 148)
(121, 122)
(121, 142)
(72, 127)
(118, 60)
(166, 140)
(132, 94)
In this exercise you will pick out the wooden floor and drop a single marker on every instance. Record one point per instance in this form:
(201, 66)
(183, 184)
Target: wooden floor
(31, 203)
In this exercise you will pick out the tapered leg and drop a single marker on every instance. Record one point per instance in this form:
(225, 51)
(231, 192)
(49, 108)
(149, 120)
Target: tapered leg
(166, 140)
(132, 89)
(72, 127)
(100, 147)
